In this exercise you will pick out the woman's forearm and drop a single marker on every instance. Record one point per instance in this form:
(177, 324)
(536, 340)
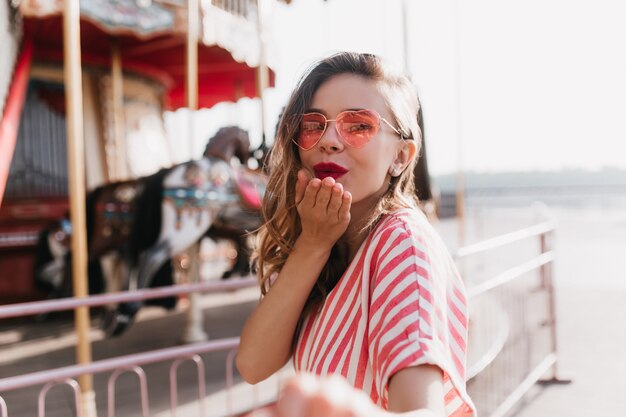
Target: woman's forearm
(267, 336)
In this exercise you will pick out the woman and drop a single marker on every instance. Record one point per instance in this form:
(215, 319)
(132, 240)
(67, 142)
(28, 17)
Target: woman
(355, 281)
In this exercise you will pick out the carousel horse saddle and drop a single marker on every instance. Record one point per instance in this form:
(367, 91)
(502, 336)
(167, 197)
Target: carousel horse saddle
(247, 190)
(113, 216)
(251, 187)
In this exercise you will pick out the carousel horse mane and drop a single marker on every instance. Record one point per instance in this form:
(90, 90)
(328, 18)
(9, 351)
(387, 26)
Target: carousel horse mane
(228, 142)
(148, 213)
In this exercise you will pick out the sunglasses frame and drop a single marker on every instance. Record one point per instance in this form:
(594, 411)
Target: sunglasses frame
(346, 141)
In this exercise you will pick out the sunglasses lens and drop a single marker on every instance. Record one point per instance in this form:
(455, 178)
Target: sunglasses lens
(358, 127)
(311, 129)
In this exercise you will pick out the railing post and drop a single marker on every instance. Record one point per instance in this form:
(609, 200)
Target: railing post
(174, 383)
(547, 283)
(230, 359)
(3, 408)
(41, 412)
(143, 390)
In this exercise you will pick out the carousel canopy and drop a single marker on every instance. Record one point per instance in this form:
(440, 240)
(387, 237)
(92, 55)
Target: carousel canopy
(152, 42)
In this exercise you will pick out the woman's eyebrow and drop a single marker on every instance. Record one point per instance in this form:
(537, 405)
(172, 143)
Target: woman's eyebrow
(314, 110)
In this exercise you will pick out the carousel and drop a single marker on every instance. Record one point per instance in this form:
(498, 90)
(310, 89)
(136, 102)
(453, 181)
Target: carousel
(86, 89)
(137, 60)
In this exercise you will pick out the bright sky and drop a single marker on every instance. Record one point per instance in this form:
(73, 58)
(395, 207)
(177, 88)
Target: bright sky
(534, 84)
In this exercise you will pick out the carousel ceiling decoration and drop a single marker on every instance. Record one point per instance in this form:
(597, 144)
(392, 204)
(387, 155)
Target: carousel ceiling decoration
(152, 40)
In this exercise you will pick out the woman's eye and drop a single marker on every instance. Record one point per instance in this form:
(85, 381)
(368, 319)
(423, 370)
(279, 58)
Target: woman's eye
(312, 126)
(358, 127)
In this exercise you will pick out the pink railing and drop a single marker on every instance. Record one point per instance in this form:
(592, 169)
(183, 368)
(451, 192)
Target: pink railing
(38, 307)
(119, 365)
(498, 378)
(129, 363)
(519, 308)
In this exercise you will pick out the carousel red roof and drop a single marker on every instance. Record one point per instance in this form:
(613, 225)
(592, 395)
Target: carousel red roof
(151, 44)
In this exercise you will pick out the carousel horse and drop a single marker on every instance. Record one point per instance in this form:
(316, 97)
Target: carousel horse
(237, 224)
(191, 198)
(110, 215)
(156, 218)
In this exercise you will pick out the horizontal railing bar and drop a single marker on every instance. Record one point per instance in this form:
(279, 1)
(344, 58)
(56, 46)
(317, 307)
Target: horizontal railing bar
(502, 240)
(60, 304)
(510, 274)
(136, 359)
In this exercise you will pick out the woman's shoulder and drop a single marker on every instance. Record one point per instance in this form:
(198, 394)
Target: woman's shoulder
(408, 226)
(408, 221)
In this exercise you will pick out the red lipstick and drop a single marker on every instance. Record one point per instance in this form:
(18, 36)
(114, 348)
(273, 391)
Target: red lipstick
(328, 169)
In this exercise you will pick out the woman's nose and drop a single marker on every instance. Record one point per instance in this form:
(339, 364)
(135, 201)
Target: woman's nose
(330, 140)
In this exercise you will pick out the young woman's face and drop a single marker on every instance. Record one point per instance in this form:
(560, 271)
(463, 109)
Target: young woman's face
(364, 171)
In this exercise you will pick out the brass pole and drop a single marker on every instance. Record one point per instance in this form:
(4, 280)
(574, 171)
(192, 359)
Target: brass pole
(262, 79)
(117, 87)
(76, 185)
(191, 79)
(191, 90)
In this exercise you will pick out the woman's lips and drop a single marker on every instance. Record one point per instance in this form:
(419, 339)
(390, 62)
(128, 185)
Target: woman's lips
(329, 169)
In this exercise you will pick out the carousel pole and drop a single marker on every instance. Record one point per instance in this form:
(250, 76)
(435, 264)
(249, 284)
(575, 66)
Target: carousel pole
(262, 70)
(460, 175)
(194, 331)
(191, 81)
(76, 179)
(191, 90)
(117, 88)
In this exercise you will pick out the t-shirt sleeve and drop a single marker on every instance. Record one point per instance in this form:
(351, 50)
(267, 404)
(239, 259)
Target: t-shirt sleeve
(418, 314)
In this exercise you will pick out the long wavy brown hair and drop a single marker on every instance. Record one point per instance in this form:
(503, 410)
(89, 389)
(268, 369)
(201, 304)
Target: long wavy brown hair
(282, 223)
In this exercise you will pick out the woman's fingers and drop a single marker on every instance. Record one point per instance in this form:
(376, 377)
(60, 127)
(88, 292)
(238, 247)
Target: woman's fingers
(324, 208)
(323, 196)
(311, 396)
(344, 210)
(301, 182)
(310, 193)
(335, 199)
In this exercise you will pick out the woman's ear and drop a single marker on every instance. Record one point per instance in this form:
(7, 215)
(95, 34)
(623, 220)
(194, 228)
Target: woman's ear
(404, 156)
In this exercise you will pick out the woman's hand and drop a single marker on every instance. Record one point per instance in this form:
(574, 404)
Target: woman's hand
(324, 209)
(309, 396)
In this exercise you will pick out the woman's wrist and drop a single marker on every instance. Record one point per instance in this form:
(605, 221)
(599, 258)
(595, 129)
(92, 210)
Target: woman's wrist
(312, 246)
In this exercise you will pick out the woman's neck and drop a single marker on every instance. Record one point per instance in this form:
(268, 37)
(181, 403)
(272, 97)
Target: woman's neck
(361, 214)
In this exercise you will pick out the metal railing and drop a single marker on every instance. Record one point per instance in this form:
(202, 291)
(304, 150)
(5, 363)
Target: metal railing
(120, 365)
(514, 331)
(129, 363)
(62, 304)
(515, 327)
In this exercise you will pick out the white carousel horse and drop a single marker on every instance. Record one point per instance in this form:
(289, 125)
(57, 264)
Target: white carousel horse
(167, 214)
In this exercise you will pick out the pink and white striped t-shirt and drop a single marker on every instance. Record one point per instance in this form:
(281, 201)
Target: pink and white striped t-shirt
(400, 303)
